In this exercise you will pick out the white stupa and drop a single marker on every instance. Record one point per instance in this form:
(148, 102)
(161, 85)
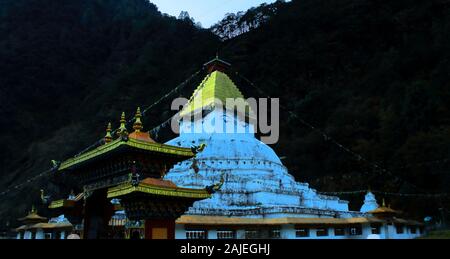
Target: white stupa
(256, 183)
(370, 203)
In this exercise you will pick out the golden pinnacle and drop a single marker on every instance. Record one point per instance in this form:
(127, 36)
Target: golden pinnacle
(137, 126)
(108, 137)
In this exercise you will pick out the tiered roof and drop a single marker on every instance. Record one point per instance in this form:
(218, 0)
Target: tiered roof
(33, 217)
(137, 140)
(158, 187)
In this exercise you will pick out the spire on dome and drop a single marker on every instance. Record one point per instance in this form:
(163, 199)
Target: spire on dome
(216, 64)
(108, 137)
(216, 86)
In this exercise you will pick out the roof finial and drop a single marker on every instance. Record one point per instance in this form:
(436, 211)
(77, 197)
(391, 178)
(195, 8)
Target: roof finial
(137, 126)
(122, 131)
(108, 137)
(384, 203)
(217, 64)
(33, 209)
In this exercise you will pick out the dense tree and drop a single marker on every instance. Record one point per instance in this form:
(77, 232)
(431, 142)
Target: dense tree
(374, 75)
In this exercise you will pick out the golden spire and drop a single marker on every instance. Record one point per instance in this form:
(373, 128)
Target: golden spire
(137, 126)
(108, 137)
(384, 203)
(122, 129)
(33, 209)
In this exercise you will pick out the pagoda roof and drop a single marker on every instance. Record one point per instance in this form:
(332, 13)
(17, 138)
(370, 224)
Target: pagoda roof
(158, 187)
(121, 144)
(45, 225)
(216, 86)
(52, 225)
(384, 210)
(32, 216)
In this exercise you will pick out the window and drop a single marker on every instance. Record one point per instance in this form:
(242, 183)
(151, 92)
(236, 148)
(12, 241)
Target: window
(48, 235)
(339, 231)
(196, 234)
(33, 235)
(275, 233)
(375, 228)
(22, 235)
(322, 232)
(356, 231)
(399, 228)
(413, 229)
(252, 234)
(302, 232)
(226, 234)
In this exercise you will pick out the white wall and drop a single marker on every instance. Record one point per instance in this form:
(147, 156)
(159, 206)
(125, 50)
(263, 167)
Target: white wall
(288, 231)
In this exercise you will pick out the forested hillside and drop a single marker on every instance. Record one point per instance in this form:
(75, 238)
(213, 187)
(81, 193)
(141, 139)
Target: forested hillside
(374, 75)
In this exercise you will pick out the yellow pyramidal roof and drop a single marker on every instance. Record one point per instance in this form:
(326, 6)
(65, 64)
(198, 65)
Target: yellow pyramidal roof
(215, 87)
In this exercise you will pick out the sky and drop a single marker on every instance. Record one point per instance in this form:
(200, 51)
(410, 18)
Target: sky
(207, 12)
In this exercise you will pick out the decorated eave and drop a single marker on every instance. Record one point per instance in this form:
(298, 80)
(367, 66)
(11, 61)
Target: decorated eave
(135, 141)
(120, 145)
(221, 220)
(151, 186)
(235, 221)
(66, 203)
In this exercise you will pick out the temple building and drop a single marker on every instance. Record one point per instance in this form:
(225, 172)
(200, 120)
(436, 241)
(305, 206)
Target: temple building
(216, 180)
(38, 227)
(259, 198)
(124, 177)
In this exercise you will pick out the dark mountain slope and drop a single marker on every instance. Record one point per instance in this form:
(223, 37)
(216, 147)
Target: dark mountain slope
(69, 67)
(374, 75)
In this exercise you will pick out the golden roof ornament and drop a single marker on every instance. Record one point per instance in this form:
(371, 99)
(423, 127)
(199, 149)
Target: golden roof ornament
(33, 209)
(384, 203)
(108, 137)
(122, 131)
(137, 126)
